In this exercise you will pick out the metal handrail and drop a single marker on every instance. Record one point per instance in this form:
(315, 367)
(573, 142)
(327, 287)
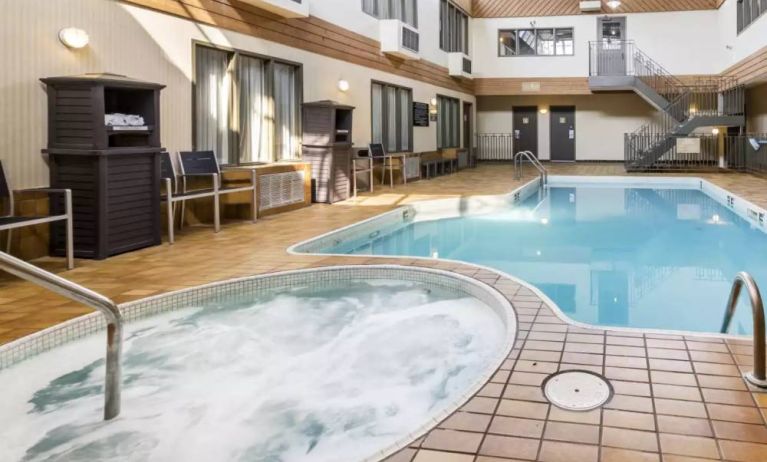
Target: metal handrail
(544, 174)
(757, 377)
(92, 299)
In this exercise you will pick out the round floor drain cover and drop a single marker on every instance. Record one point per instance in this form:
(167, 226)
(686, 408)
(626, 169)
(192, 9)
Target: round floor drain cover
(577, 390)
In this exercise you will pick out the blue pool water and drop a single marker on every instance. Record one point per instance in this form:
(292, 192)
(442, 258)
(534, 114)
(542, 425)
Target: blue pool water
(644, 257)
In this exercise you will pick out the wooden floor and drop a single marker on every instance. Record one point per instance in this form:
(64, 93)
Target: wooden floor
(677, 398)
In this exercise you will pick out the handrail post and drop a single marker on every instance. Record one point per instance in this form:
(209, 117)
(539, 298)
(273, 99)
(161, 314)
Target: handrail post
(544, 174)
(757, 377)
(66, 288)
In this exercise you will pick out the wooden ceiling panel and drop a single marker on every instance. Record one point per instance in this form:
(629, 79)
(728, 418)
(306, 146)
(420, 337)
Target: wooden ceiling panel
(529, 8)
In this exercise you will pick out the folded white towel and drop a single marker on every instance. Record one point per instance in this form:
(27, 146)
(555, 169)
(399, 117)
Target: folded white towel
(122, 120)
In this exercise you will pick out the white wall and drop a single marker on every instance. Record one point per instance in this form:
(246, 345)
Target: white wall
(600, 120)
(739, 46)
(151, 46)
(349, 15)
(683, 42)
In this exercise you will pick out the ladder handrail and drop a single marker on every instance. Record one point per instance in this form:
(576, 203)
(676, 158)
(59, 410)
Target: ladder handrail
(536, 163)
(80, 294)
(757, 377)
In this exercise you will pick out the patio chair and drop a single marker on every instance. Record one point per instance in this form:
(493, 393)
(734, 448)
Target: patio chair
(377, 151)
(205, 164)
(172, 195)
(10, 221)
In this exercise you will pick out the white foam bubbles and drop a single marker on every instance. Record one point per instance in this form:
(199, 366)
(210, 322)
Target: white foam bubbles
(305, 375)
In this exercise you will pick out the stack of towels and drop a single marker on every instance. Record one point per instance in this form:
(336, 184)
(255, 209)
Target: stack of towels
(123, 120)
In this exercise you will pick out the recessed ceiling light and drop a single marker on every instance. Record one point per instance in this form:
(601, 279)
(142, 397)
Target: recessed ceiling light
(614, 4)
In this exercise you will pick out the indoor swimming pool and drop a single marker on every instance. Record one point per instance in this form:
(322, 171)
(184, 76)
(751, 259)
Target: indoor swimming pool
(650, 253)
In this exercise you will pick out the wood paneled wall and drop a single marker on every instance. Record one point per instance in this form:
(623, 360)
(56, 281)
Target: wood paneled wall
(532, 86)
(310, 34)
(750, 70)
(525, 8)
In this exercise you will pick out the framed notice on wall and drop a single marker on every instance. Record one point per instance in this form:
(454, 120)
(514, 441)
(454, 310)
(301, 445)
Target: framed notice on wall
(689, 145)
(420, 115)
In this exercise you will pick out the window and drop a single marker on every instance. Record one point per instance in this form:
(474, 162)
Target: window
(748, 11)
(536, 42)
(404, 10)
(453, 28)
(246, 107)
(448, 122)
(391, 116)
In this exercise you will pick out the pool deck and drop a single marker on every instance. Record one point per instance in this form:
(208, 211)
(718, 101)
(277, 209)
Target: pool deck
(678, 399)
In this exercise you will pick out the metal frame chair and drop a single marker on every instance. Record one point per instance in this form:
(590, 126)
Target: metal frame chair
(10, 221)
(172, 195)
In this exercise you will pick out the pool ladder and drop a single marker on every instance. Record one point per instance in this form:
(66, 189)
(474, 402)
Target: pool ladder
(543, 173)
(757, 377)
(92, 299)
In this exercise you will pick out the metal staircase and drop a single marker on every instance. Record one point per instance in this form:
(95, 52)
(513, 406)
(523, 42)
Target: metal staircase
(682, 107)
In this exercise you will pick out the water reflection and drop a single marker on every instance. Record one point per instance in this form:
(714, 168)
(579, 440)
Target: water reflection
(640, 257)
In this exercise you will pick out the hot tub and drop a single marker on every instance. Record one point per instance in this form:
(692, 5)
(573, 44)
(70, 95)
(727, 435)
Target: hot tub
(340, 363)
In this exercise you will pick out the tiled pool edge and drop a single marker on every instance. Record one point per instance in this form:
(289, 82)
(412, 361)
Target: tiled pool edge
(93, 323)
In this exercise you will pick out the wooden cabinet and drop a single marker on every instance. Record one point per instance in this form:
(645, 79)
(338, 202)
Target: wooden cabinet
(113, 171)
(327, 147)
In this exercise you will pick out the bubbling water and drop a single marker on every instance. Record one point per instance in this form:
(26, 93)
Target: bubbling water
(313, 375)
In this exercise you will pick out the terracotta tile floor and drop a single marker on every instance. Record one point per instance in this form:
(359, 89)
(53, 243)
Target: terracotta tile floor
(678, 399)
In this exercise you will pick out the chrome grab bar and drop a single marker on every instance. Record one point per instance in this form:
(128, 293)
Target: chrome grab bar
(544, 174)
(92, 299)
(757, 377)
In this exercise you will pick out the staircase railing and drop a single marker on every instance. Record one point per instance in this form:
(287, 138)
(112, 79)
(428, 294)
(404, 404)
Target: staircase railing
(711, 96)
(92, 299)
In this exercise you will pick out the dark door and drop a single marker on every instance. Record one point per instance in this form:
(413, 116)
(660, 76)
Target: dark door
(468, 132)
(525, 122)
(562, 133)
(611, 43)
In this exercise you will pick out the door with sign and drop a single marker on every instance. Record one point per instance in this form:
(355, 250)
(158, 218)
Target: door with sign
(562, 133)
(525, 129)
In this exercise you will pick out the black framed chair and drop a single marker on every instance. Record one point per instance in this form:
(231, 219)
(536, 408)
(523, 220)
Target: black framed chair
(205, 164)
(172, 195)
(11, 221)
(377, 151)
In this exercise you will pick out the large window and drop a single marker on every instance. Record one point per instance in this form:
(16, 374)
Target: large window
(536, 42)
(748, 11)
(404, 10)
(448, 122)
(391, 116)
(453, 28)
(246, 106)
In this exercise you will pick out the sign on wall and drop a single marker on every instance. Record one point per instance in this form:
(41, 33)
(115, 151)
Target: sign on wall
(420, 115)
(689, 145)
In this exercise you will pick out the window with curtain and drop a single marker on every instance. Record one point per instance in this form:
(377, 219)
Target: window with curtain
(212, 96)
(404, 10)
(246, 107)
(391, 116)
(448, 122)
(536, 42)
(453, 28)
(748, 11)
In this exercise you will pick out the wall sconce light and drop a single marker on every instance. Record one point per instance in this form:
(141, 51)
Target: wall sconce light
(544, 110)
(715, 131)
(433, 101)
(343, 85)
(73, 37)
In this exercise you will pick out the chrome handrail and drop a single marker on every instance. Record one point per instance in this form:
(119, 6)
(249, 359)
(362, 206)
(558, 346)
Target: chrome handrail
(92, 299)
(757, 377)
(544, 174)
